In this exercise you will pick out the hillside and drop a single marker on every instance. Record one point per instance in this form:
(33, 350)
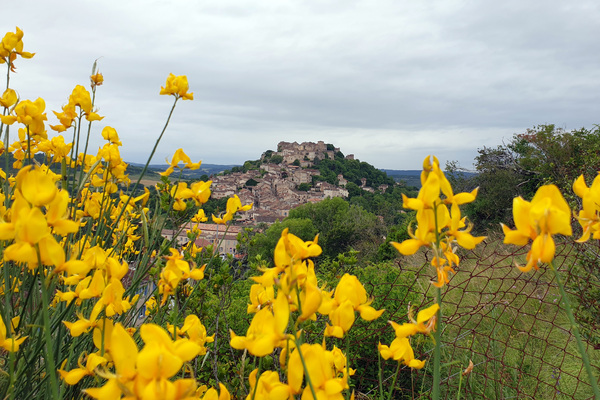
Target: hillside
(300, 173)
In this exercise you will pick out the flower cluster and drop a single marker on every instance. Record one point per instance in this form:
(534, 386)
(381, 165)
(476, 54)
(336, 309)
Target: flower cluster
(144, 373)
(79, 243)
(589, 215)
(11, 47)
(285, 296)
(439, 221)
(547, 214)
(400, 349)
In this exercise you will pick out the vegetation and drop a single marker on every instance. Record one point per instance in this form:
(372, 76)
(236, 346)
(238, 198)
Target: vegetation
(543, 155)
(340, 225)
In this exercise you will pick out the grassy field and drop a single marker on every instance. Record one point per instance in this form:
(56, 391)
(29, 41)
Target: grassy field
(510, 324)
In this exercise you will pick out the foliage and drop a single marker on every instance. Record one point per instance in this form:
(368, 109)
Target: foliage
(304, 187)
(276, 159)
(543, 155)
(342, 226)
(396, 233)
(352, 170)
(251, 182)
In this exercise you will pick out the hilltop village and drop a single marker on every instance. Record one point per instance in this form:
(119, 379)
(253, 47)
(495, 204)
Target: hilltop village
(275, 187)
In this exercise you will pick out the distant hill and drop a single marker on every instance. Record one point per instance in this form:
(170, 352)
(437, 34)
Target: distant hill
(205, 169)
(408, 176)
(413, 177)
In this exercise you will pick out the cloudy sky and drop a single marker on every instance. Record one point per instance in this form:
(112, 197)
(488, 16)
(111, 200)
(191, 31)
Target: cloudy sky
(387, 80)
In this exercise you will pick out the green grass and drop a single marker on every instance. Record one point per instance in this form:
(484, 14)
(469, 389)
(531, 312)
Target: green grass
(510, 324)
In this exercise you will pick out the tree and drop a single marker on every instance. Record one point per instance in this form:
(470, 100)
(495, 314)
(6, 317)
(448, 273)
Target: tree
(276, 159)
(342, 226)
(543, 155)
(304, 187)
(557, 156)
(500, 178)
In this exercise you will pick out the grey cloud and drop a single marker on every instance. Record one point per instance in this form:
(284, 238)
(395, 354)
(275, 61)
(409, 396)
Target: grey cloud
(389, 81)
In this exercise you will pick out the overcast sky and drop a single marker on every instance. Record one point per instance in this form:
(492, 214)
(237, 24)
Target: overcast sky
(389, 81)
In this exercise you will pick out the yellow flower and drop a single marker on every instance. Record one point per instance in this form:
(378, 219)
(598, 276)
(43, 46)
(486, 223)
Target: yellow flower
(73, 376)
(178, 157)
(178, 87)
(176, 269)
(29, 113)
(66, 118)
(11, 46)
(424, 323)
(124, 353)
(589, 215)
(37, 187)
(548, 214)
(234, 204)
(9, 98)
(96, 79)
(150, 306)
(320, 367)
(83, 325)
(10, 344)
(201, 193)
(196, 332)
(81, 97)
(266, 331)
(110, 134)
(161, 357)
(200, 216)
(57, 214)
(269, 386)
(212, 394)
(401, 351)
(260, 297)
(350, 296)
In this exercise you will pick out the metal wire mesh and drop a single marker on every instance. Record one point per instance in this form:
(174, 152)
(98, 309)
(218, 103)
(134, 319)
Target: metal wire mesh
(510, 324)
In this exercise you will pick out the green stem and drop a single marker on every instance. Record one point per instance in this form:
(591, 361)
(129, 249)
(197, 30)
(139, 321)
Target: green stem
(459, 384)
(50, 363)
(437, 351)
(28, 146)
(348, 365)
(575, 331)
(63, 173)
(13, 376)
(394, 382)
(437, 354)
(258, 374)
(379, 375)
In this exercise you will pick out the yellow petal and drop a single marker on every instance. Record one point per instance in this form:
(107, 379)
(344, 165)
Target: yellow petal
(368, 313)
(124, 352)
(408, 247)
(428, 313)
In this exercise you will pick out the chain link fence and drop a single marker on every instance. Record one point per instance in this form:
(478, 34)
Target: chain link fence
(509, 324)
